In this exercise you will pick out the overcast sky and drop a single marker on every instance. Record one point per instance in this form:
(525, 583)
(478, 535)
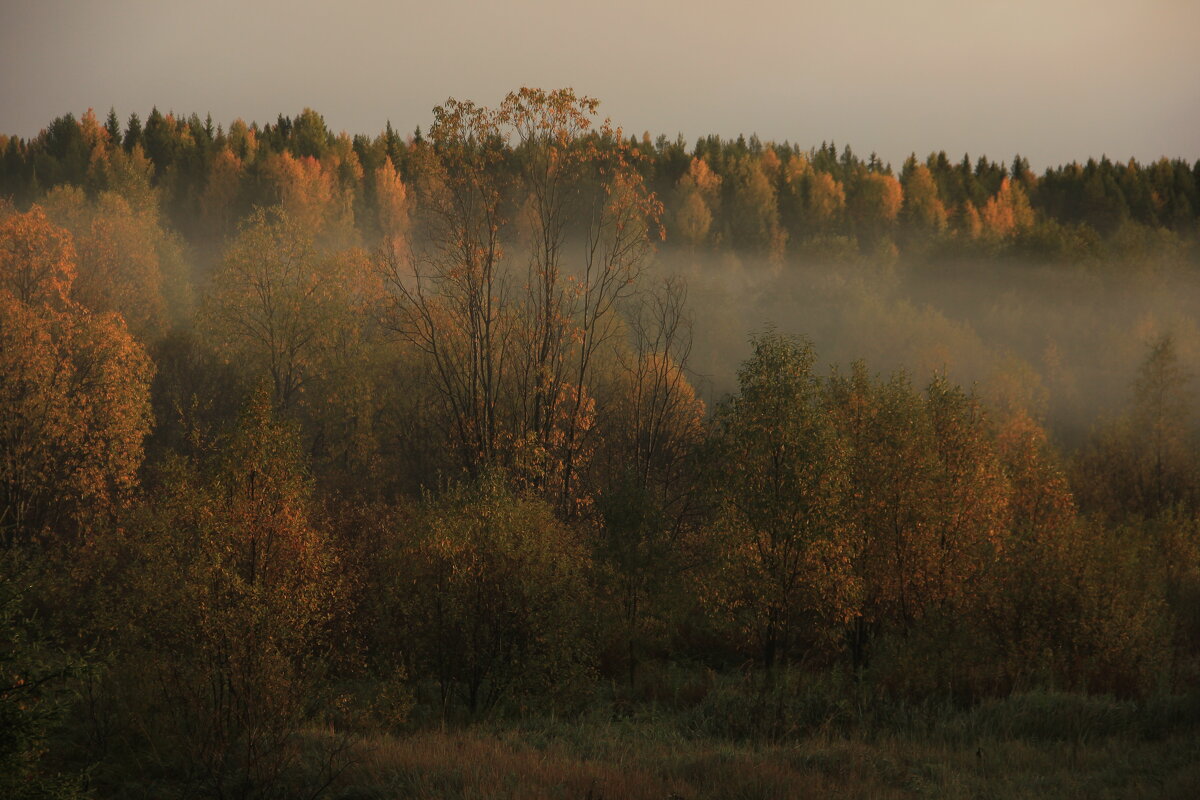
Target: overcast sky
(1055, 80)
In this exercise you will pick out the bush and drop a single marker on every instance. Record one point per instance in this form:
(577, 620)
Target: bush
(219, 619)
(494, 598)
(788, 704)
(33, 688)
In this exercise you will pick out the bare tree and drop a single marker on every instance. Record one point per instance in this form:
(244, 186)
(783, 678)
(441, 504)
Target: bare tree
(451, 298)
(513, 366)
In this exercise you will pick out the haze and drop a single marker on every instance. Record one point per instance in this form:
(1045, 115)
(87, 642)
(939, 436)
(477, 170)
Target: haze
(1055, 81)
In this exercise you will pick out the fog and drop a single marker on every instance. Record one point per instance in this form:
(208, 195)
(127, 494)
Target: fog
(1063, 341)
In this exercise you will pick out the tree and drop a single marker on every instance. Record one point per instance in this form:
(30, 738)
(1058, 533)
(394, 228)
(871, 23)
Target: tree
(309, 136)
(37, 259)
(1162, 415)
(119, 266)
(922, 209)
(279, 304)
(112, 126)
(929, 498)
(74, 390)
(647, 475)
(229, 591)
(133, 132)
(972, 495)
(893, 470)
(969, 222)
(874, 203)
(579, 177)
(493, 594)
(34, 695)
(656, 418)
(75, 393)
(1029, 600)
(450, 294)
(219, 201)
(308, 193)
(1007, 211)
(128, 175)
(392, 206)
(752, 209)
(785, 581)
(513, 369)
(697, 195)
(1142, 464)
(826, 199)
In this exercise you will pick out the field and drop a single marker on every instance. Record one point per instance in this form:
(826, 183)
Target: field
(1029, 745)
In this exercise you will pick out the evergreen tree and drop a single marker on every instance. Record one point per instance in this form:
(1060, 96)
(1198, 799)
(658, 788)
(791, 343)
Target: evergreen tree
(133, 132)
(113, 126)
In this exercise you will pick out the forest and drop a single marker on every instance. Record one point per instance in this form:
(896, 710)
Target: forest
(520, 456)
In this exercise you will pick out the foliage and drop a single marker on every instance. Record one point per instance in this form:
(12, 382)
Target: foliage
(282, 308)
(220, 611)
(34, 681)
(474, 475)
(513, 371)
(1142, 462)
(120, 259)
(785, 581)
(37, 259)
(74, 389)
(493, 593)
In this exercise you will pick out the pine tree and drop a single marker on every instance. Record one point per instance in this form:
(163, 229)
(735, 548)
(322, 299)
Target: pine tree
(133, 132)
(113, 126)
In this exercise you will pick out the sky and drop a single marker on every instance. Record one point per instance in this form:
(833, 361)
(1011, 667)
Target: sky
(1054, 80)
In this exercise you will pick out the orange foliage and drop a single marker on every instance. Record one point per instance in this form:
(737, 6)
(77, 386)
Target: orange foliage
(770, 163)
(310, 193)
(37, 259)
(392, 204)
(1008, 211)
(1040, 500)
(119, 267)
(922, 206)
(876, 200)
(74, 389)
(826, 198)
(929, 494)
(217, 203)
(696, 196)
(305, 191)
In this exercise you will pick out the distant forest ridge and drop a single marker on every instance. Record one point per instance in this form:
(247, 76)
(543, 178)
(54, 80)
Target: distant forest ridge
(756, 197)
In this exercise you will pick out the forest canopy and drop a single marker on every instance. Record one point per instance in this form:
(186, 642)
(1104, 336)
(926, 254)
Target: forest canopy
(308, 437)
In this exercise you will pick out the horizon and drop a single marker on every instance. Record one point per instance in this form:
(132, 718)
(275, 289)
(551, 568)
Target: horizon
(408, 135)
(1054, 82)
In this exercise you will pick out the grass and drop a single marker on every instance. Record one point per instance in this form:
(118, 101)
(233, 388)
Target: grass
(483, 764)
(1029, 745)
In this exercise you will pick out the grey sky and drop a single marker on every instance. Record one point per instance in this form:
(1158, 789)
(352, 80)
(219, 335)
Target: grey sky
(1053, 79)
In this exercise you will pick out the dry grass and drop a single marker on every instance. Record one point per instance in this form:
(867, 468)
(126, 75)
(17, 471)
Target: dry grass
(621, 761)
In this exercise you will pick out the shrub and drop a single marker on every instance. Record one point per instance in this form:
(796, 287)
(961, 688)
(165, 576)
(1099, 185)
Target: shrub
(494, 597)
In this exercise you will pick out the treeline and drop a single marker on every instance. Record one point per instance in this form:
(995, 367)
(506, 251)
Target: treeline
(774, 200)
(312, 489)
